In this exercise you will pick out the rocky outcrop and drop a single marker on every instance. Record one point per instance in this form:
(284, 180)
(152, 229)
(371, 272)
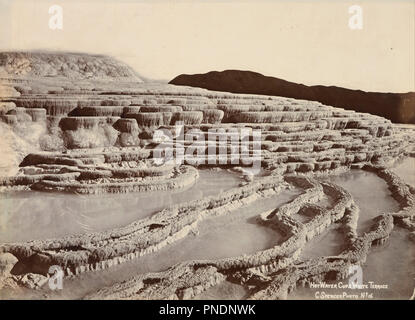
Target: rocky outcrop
(68, 65)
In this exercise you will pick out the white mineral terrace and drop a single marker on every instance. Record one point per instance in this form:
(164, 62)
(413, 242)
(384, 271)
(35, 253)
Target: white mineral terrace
(81, 190)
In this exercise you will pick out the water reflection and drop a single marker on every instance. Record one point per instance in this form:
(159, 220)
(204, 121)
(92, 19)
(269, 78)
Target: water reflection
(30, 215)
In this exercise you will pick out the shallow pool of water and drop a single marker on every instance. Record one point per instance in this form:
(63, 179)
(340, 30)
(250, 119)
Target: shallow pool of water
(30, 215)
(370, 193)
(391, 264)
(330, 242)
(230, 235)
(405, 168)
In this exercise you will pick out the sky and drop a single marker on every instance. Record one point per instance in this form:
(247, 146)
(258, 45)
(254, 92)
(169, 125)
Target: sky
(303, 41)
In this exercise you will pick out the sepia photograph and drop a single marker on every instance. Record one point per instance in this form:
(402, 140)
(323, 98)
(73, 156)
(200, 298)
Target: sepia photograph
(198, 150)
